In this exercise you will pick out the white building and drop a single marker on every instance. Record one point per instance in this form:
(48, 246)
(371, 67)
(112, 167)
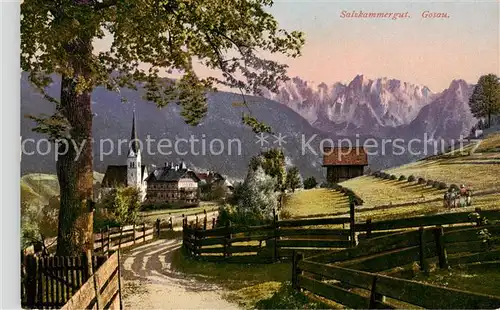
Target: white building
(133, 174)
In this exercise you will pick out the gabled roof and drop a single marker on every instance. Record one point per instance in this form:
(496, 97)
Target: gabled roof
(169, 174)
(209, 176)
(116, 176)
(345, 156)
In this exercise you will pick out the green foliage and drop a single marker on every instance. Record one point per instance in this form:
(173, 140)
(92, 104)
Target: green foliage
(288, 298)
(49, 218)
(29, 226)
(453, 187)
(402, 178)
(229, 36)
(411, 178)
(310, 182)
(393, 177)
(485, 99)
(273, 163)
(421, 181)
(39, 224)
(442, 185)
(293, 178)
(212, 192)
(253, 200)
(123, 205)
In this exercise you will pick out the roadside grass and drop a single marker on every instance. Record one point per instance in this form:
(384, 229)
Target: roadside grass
(231, 276)
(376, 192)
(480, 277)
(317, 201)
(251, 286)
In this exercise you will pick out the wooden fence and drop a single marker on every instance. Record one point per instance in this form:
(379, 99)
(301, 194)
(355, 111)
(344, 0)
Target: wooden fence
(111, 239)
(350, 277)
(267, 243)
(458, 220)
(101, 290)
(50, 281)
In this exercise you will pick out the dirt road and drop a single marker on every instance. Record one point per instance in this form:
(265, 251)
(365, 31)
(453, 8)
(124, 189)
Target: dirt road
(148, 282)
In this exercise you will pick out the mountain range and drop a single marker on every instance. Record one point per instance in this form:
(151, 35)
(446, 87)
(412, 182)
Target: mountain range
(381, 107)
(300, 112)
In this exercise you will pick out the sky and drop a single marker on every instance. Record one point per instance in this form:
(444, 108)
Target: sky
(430, 52)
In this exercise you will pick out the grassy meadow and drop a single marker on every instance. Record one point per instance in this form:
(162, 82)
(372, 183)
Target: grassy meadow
(315, 202)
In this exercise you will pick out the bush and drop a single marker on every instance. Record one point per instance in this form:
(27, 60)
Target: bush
(435, 184)
(429, 182)
(421, 181)
(393, 177)
(454, 187)
(442, 185)
(253, 200)
(122, 205)
(402, 178)
(288, 298)
(411, 178)
(310, 182)
(376, 174)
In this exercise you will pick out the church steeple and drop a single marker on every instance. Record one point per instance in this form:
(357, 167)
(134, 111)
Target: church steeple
(134, 141)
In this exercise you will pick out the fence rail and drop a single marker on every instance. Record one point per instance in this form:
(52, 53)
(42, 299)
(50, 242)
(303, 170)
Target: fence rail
(358, 268)
(50, 281)
(267, 243)
(101, 290)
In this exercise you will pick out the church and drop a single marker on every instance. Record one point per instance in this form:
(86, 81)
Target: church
(133, 174)
(170, 184)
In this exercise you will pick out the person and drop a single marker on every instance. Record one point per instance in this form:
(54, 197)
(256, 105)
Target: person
(446, 200)
(463, 190)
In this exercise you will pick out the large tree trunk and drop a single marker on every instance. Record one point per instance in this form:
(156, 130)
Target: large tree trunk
(74, 168)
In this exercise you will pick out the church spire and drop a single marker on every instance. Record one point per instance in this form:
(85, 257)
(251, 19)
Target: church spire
(134, 146)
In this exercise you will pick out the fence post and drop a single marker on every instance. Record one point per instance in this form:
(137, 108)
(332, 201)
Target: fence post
(227, 242)
(352, 225)
(120, 240)
(368, 228)
(205, 222)
(213, 223)
(157, 228)
(298, 271)
(275, 229)
(184, 221)
(375, 297)
(294, 269)
(108, 236)
(478, 220)
(102, 240)
(119, 280)
(443, 257)
(143, 232)
(170, 223)
(423, 262)
(31, 272)
(133, 230)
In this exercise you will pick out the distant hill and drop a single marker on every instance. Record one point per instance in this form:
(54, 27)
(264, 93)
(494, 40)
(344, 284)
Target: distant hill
(38, 188)
(112, 120)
